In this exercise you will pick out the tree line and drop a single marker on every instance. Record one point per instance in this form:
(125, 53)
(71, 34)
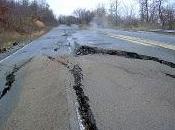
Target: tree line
(150, 13)
(19, 15)
(159, 12)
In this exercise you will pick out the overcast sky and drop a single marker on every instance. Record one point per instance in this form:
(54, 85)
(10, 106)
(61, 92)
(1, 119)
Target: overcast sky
(66, 7)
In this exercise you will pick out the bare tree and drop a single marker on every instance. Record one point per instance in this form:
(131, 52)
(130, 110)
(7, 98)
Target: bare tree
(68, 20)
(168, 18)
(84, 16)
(160, 12)
(114, 11)
(22, 12)
(144, 10)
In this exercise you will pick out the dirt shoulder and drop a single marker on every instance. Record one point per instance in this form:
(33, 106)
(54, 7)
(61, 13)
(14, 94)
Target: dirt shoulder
(13, 41)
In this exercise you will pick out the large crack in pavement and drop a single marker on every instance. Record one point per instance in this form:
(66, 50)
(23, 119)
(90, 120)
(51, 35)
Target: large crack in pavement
(85, 50)
(10, 79)
(84, 107)
(87, 118)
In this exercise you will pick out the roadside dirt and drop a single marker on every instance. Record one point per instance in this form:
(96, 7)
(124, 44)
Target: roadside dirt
(11, 41)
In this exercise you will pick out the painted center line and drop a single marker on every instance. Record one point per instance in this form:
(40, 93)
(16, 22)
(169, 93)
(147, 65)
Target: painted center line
(141, 41)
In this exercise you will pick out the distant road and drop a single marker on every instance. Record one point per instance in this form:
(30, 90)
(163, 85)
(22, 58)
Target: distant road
(148, 43)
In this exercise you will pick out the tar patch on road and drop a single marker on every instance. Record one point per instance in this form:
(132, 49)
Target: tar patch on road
(85, 50)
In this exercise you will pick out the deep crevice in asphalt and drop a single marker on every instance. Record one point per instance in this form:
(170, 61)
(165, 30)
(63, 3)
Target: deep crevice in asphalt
(10, 79)
(170, 75)
(84, 107)
(85, 50)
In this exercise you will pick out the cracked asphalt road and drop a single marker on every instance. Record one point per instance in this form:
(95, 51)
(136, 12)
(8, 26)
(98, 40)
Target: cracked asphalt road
(120, 92)
(129, 94)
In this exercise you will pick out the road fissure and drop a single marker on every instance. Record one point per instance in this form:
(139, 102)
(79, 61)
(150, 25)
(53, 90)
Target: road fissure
(85, 50)
(10, 79)
(87, 117)
(84, 107)
(170, 75)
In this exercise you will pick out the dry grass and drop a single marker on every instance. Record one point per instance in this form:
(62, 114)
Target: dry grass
(8, 38)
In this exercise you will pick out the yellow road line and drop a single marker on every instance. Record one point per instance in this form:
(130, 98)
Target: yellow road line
(141, 41)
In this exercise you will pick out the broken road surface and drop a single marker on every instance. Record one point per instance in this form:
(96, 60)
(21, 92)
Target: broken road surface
(128, 94)
(66, 80)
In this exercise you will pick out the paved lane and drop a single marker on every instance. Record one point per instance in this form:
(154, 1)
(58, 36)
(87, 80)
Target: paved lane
(46, 44)
(150, 44)
(168, 39)
(52, 44)
(129, 94)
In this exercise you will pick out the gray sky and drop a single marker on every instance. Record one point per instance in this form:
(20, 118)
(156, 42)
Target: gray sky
(66, 7)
